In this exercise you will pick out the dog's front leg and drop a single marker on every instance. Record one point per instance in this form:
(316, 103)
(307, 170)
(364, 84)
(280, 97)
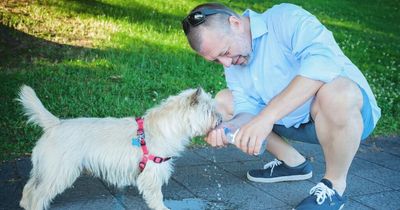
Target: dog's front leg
(149, 183)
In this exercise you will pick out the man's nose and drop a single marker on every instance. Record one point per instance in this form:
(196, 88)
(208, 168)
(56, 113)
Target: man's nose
(226, 61)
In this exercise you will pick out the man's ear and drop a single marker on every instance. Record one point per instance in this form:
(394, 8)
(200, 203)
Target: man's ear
(194, 98)
(235, 22)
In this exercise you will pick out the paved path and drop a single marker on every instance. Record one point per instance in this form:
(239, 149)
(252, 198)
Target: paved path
(208, 178)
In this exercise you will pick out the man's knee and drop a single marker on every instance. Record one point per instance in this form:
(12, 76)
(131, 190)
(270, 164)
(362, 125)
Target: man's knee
(338, 99)
(224, 100)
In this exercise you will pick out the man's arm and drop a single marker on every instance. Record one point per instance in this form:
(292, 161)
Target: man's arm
(299, 90)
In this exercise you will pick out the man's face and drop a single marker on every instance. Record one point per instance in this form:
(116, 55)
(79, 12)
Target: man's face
(226, 48)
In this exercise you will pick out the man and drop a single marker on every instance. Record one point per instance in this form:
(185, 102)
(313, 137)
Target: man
(287, 77)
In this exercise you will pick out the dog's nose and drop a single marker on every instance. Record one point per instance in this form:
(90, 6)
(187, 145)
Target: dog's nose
(219, 119)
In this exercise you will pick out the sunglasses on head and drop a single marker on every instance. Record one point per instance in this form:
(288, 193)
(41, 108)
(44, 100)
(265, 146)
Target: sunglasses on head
(198, 17)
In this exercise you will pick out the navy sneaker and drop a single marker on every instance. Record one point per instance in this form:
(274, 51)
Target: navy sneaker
(278, 171)
(322, 197)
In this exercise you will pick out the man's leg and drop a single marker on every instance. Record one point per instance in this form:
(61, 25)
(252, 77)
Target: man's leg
(276, 145)
(339, 125)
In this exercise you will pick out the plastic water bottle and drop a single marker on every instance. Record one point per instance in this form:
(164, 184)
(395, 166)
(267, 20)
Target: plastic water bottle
(230, 136)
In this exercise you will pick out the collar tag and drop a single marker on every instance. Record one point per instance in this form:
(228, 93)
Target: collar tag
(136, 142)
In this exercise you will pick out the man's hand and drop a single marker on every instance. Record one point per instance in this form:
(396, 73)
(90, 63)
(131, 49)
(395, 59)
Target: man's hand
(251, 136)
(216, 137)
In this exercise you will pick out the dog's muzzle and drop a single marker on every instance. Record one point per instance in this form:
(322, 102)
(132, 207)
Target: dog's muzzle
(219, 119)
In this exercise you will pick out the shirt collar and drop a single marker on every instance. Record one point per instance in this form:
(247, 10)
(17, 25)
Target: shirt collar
(258, 26)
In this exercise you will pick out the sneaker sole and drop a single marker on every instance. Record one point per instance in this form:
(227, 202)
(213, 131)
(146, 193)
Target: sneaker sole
(280, 179)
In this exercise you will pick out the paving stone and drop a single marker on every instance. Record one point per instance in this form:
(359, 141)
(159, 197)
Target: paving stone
(389, 145)
(359, 186)
(175, 190)
(382, 158)
(189, 157)
(84, 188)
(310, 151)
(136, 203)
(280, 208)
(130, 195)
(228, 154)
(24, 166)
(239, 168)
(354, 205)
(382, 201)
(131, 201)
(318, 171)
(90, 204)
(10, 194)
(7, 171)
(213, 184)
(376, 173)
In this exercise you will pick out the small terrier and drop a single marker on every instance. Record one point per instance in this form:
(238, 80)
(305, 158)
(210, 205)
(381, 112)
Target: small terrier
(106, 146)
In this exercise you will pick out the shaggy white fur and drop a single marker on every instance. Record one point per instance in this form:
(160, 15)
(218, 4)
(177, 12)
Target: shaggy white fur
(103, 147)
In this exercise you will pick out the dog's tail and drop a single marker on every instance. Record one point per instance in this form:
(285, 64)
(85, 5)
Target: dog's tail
(35, 110)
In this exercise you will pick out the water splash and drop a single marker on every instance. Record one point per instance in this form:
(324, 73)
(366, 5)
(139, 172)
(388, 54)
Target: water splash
(216, 176)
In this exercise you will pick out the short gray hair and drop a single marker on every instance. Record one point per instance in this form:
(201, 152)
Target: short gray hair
(218, 21)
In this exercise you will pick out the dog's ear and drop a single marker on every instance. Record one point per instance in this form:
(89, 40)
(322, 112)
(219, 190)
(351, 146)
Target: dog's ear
(194, 98)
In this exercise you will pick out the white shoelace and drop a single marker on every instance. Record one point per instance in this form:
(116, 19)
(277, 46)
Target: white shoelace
(322, 191)
(272, 165)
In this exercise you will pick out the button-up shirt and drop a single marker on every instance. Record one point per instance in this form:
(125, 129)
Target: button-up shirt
(288, 41)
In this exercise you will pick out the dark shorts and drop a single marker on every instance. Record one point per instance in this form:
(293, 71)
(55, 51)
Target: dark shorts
(307, 133)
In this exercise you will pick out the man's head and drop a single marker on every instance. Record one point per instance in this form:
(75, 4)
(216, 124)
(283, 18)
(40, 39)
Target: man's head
(218, 34)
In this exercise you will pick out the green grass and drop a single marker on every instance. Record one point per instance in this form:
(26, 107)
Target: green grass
(119, 58)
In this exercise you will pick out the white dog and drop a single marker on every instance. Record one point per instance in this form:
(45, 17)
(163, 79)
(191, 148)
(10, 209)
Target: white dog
(108, 147)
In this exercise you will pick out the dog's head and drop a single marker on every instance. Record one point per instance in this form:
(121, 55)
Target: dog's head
(190, 113)
(204, 115)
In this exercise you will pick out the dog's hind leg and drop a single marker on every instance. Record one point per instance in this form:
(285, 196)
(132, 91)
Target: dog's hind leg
(27, 192)
(54, 181)
(31, 185)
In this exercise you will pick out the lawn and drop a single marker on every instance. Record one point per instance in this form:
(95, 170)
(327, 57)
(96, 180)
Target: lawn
(118, 57)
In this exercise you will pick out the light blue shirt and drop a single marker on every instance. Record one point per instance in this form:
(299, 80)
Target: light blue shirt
(288, 41)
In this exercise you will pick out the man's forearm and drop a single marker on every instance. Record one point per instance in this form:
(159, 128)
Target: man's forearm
(295, 94)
